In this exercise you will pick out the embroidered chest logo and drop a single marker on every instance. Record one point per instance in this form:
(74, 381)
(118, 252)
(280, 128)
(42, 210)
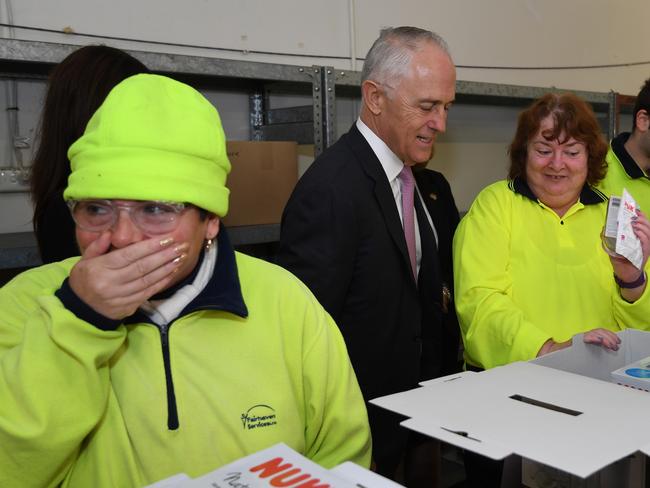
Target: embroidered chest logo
(258, 416)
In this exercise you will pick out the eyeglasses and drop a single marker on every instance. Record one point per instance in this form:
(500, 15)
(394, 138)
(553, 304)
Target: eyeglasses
(150, 217)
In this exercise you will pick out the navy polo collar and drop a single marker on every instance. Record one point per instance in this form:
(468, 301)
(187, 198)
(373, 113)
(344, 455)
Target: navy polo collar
(588, 196)
(629, 165)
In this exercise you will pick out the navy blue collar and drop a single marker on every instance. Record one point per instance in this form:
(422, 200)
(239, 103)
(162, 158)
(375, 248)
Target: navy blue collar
(588, 195)
(629, 165)
(223, 291)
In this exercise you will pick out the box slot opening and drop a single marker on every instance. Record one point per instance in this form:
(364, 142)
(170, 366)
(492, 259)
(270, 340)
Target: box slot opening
(461, 433)
(549, 406)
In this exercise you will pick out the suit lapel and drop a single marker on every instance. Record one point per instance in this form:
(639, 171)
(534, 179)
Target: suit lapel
(382, 191)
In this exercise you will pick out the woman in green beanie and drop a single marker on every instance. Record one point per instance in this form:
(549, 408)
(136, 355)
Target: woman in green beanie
(161, 350)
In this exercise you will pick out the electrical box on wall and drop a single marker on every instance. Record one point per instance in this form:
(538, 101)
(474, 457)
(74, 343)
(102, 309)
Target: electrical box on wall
(13, 180)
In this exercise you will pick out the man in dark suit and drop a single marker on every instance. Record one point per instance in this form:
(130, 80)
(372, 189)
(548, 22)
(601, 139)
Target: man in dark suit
(345, 233)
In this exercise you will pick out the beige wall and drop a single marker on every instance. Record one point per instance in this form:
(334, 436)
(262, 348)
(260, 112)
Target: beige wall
(515, 33)
(519, 33)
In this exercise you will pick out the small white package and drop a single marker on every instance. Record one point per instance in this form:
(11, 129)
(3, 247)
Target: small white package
(611, 224)
(618, 235)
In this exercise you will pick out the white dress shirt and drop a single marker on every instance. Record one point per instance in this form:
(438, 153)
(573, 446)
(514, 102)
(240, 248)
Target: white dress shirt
(392, 166)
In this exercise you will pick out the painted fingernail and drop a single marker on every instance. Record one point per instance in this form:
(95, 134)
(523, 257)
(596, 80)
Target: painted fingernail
(181, 248)
(179, 258)
(166, 242)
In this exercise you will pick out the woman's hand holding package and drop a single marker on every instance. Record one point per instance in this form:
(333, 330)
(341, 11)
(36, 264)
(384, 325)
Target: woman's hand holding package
(116, 282)
(624, 270)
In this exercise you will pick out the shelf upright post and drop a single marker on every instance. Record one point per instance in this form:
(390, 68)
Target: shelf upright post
(328, 84)
(323, 91)
(612, 115)
(256, 107)
(317, 94)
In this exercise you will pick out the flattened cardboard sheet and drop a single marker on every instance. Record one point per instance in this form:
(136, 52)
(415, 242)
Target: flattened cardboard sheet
(571, 422)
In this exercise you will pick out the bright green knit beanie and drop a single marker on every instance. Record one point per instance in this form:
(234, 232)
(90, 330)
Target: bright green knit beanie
(153, 138)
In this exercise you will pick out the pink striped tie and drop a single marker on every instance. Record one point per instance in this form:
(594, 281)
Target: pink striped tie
(407, 183)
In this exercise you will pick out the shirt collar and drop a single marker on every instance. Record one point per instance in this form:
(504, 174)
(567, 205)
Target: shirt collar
(389, 161)
(588, 196)
(223, 291)
(629, 165)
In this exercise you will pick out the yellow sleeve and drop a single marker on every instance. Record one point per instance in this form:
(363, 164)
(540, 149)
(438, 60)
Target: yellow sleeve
(54, 381)
(337, 427)
(633, 315)
(494, 329)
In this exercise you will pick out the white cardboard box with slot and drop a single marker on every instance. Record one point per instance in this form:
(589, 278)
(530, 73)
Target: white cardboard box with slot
(561, 410)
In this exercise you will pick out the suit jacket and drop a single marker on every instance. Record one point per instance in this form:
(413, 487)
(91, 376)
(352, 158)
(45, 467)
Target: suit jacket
(342, 236)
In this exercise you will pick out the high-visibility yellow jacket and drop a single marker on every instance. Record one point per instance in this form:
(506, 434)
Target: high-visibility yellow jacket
(623, 172)
(237, 372)
(524, 275)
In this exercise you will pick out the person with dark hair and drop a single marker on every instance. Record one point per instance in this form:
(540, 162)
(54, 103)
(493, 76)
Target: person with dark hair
(628, 157)
(530, 271)
(76, 88)
(161, 350)
(368, 229)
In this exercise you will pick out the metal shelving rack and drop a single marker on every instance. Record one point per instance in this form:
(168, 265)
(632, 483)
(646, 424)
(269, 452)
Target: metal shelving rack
(23, 59)
(482, 93)
(315, 124)
(33, 59)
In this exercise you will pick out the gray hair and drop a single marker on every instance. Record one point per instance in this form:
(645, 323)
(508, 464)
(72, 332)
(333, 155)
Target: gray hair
(390, 55)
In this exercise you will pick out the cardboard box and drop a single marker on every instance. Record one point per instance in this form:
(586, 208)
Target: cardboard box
(596, 362)
(555, 410)
(635, 375)
(599, 363)
(262, 178)
(305, 158)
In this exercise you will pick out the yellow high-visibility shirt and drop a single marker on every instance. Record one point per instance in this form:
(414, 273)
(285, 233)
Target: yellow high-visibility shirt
(86, 407)
(623, 172)
(524, 275)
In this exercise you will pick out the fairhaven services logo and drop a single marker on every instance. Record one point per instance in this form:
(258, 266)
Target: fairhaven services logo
(258, 416)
